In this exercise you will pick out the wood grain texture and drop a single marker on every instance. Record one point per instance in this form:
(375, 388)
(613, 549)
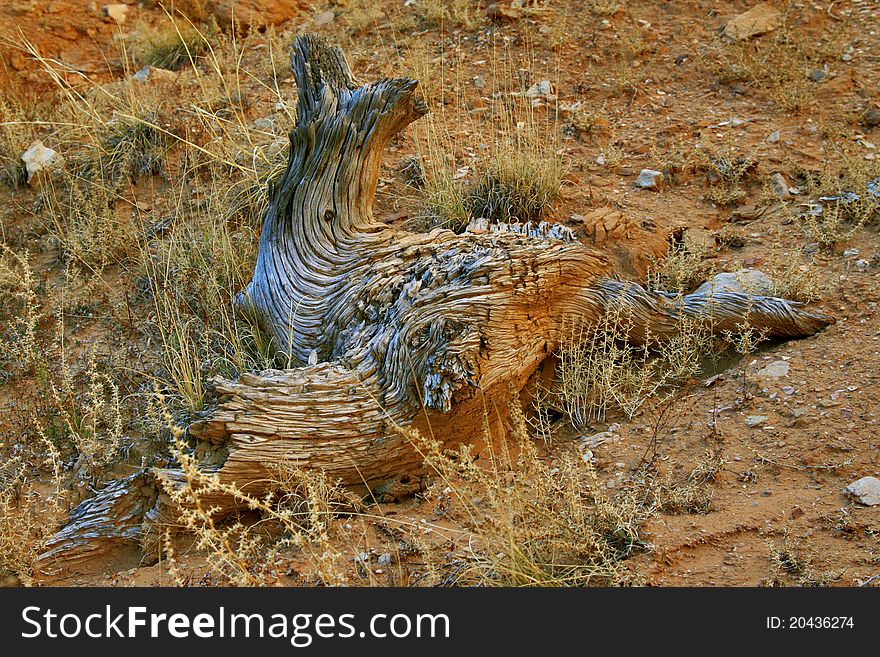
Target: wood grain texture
(390, 329)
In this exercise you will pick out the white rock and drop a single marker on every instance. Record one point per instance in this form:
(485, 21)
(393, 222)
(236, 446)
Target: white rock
(543, 88)
(866, 491)
(116, 13)
(384, 559)
(746, 281)
(39, 158)
(774, 370)
(156, 74)
(779, 185)
(754, 420)
(649, 179)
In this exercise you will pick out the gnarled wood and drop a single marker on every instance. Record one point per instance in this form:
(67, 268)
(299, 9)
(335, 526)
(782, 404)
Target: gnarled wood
(389, 328)
(408, 328)
(100, 527)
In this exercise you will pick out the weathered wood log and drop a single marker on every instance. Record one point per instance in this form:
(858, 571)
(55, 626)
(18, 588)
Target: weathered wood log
(98, 527)
(388, 328)
(408, 329)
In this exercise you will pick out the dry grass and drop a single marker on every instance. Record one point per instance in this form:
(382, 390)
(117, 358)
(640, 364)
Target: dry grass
(792, 565)
(796, 281)
(455, 13)
(149, 261)
(25, 522)
(95, 229)
(694, 494)
(779, 63)
(519, 187)
(296, 516)
(605, 7)
(516, 178)
(21, 346)
(728, 173)
(16, 134)
(681, 270)
(171, 45)
(674, 158)
(537, 525)
(601, 371)
(846, 181)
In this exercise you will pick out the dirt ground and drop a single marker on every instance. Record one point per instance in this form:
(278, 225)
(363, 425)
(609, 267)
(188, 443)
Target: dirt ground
(779, 492)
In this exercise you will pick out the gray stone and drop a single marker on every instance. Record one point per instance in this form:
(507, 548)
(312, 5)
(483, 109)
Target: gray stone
(863, 265)
(774, 370)
(384, 559)
(773, 137)
(266, 124)
(760, 19)
(818, 75)
(753, 421)
(543, 89)
(798, 412)
(851, 253)
(649, 179)
(324, 18)
(479, 82)
(39, 158)
(156, 74)
(865, 491)
(746, 281)
(116, 13)
(779, 185)
(872, 117)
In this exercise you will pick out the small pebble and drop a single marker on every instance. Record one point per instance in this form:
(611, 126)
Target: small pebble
(649, 179)
(753, 421)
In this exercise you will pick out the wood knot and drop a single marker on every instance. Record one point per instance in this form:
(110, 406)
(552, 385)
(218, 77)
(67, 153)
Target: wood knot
(329, 215)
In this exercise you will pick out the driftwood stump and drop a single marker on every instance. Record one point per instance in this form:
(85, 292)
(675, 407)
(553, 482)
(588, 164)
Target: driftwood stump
(389, 328)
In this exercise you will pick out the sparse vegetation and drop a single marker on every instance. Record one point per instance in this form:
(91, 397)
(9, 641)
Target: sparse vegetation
(519, 189)
(119, 274)
(540, 526)
(779, 63)
(727, 175)
(601, 370)
(792, 564)
(172, 45)
(681, 270)
(297, 514)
